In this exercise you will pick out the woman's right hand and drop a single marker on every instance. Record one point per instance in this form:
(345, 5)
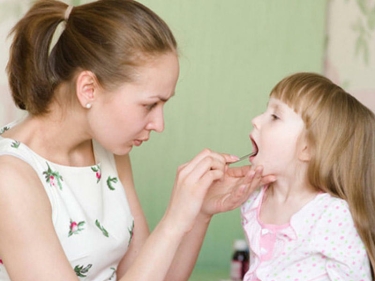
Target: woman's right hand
(192, 182)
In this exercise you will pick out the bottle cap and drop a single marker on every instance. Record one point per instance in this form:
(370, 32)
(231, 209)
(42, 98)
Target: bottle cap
(240, 245)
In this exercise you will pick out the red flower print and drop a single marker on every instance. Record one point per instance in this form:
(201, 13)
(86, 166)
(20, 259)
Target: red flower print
(98, 172)
(75, 228)
(53, 176)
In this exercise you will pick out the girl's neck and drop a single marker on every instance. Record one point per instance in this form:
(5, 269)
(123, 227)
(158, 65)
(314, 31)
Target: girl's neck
(290, 191)
(280, 203)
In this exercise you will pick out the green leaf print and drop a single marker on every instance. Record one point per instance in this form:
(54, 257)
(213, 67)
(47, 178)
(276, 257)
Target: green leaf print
(81, 271)
(113, 273)
(131, 232)
(15, 144)
(52, 177)
(3, 129)
(98, 172)
(111, 181)
(104, 231)
(75, 228)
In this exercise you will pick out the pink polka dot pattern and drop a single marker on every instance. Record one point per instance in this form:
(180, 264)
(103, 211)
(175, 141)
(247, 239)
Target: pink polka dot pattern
(320, 243)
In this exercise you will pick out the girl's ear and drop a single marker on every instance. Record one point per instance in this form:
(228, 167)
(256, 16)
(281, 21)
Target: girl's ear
(86, 88)
(304, 153)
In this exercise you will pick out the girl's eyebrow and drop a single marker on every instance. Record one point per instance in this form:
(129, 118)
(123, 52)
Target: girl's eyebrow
(163, 99)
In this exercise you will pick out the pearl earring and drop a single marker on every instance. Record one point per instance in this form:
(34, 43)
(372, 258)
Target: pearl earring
(88, 105)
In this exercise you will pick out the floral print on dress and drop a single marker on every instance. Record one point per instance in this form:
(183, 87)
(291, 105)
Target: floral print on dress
(111, 181)
(52, 177)
(15, 144)
(98, 172)
(113, 275)
(104, 231)
(75, 227)
(2, 130)
(82, 271)
(131, 232)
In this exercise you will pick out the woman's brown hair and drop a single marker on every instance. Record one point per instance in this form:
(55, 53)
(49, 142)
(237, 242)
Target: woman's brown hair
(341, 134)
(107, 37)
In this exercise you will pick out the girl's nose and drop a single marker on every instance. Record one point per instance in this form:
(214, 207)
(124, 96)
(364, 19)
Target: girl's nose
(256, 121)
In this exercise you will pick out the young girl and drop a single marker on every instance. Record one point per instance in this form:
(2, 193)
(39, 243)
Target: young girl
(68, 206)
(316, 221)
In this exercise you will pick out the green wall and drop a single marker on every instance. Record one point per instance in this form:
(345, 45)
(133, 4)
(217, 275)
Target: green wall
(232, 54)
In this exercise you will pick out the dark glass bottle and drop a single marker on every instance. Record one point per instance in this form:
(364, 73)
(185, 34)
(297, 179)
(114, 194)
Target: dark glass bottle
(240, 260)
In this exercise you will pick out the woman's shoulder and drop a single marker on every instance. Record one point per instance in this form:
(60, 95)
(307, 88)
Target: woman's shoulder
(18, 179)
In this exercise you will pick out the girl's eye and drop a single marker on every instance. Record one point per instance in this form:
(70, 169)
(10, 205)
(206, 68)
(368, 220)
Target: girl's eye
(149, 107)
(274, 117)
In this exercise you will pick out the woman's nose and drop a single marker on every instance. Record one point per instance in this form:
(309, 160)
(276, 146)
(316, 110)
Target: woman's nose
(156, 122)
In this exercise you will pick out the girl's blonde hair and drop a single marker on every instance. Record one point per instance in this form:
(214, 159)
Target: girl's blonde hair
(107, 37)
(341, 134)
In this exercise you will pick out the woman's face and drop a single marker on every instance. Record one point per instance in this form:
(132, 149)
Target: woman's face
(277, 137)
(125, 117)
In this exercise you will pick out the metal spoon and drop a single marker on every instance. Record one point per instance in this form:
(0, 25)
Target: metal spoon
(244, 157)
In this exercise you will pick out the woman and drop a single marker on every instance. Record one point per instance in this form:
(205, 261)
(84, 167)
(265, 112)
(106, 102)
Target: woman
(69, 207)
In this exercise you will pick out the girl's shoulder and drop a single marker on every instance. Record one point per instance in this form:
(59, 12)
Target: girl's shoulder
(324, 214)
(326, 204)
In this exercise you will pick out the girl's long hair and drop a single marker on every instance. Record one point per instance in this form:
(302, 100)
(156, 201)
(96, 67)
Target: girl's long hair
(341, 135)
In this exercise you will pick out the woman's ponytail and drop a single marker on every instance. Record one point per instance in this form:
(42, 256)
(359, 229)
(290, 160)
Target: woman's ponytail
(29, 70)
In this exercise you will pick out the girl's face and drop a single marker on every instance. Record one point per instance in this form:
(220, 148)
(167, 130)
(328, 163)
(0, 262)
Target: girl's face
(277, 137)
(124, 118)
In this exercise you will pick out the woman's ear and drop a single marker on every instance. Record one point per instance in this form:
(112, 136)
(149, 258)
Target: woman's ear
(86, 88)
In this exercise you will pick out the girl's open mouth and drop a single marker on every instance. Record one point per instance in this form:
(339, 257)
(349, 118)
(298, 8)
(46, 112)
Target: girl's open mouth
(255, 147)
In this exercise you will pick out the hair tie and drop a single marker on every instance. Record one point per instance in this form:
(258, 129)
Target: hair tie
(67, 12)
(60, 29)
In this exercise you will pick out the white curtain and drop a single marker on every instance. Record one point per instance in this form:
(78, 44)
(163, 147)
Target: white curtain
(350, 55)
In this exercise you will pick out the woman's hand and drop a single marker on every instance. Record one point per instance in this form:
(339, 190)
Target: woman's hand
(192, 182)
(233, 189)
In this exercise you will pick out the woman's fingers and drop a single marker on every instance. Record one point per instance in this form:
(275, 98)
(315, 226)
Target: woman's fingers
(237, 187)
(238, 172)
(189, 166)
(209, 168)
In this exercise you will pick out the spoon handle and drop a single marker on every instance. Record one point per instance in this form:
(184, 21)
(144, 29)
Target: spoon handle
(243, 157)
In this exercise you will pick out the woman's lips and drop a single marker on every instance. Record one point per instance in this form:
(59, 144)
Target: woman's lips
(139, 142)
